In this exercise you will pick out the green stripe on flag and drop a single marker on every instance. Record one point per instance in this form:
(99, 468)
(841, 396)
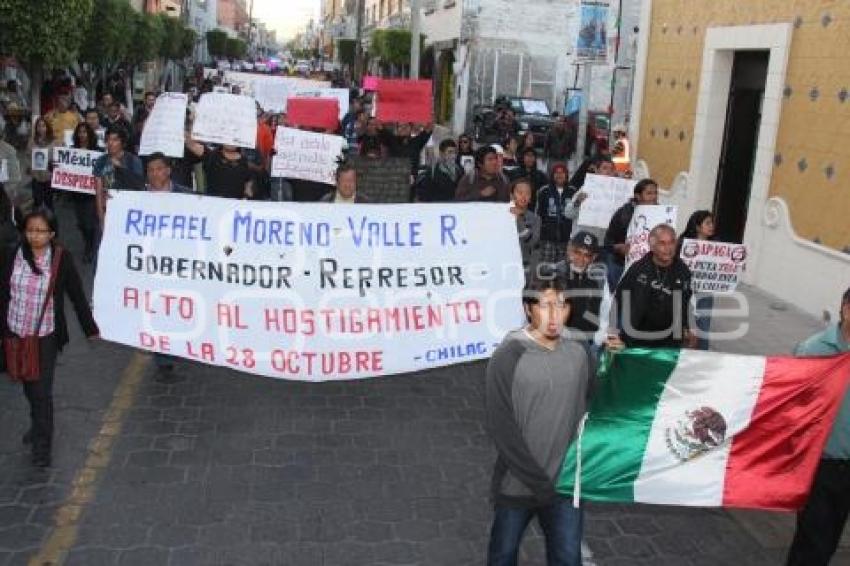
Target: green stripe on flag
(627, 394)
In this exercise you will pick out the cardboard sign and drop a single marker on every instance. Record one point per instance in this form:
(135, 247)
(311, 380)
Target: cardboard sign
(165, 127)
(228, 119)
(73, 168)
(604, 196)
(341, 94)
(306, 155)
(402, 100)
(315, 292)
(716, 267)
(645, 218)
(370, 83)
(40, 159)
(313, 113)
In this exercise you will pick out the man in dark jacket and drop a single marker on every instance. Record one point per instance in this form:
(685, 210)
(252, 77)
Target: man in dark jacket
(528, 169)
(405, 144)
(645, 192)
(439, 182)
(487, 183)
(552, 206)
(653, 299)
(560, 142)
(536, 390)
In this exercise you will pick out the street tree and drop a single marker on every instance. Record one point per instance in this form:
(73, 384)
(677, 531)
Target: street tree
(235, 48)
(106, 44)
(217, 43)
(43, 35)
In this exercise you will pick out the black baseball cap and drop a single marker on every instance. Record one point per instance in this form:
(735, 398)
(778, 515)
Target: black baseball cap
(587, 240)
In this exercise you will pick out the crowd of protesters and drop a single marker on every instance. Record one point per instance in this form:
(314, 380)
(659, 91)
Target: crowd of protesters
(579, 297)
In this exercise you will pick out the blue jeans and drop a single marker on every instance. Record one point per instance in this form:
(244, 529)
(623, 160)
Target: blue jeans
(562, 526)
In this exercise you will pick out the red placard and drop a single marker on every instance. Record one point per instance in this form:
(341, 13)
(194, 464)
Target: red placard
(313, 113)
(402, 100)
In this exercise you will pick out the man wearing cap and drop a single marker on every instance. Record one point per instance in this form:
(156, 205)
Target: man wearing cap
(621, 155)
(587, 289)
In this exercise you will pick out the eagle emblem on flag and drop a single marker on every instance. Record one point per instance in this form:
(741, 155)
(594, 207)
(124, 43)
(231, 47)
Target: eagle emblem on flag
(699, 431)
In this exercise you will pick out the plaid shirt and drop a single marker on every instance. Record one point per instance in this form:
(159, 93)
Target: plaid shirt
(28, 292)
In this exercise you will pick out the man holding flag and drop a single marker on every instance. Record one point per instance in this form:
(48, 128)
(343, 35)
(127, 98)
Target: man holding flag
(821, 522)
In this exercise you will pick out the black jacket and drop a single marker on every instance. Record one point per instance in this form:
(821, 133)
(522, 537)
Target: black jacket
(618, 228)
(436, 185)
(585, 290)
(658, 301)
(550, 208)
(67, 282)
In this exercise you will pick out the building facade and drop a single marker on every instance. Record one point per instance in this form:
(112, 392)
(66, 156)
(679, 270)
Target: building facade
(233, 17)
(203, 17)
(743, 108)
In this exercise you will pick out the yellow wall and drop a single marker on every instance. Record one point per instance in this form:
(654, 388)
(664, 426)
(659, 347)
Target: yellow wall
(817, 131)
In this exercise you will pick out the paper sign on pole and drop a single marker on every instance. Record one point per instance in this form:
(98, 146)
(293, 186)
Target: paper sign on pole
(604, 196)
(716, 267)
(645, 218)
(306, 155)
(164, 129)
(72, 169)
(68, 138)
(4, 170)
(40, 159)
(314, 292)
(228, 119)
(403, 100)
(313, 113)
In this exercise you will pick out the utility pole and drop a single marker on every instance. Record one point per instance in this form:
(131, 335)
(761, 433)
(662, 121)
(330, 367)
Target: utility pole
(415, 33)
(251, 31)
(581, 135)
(358, 47)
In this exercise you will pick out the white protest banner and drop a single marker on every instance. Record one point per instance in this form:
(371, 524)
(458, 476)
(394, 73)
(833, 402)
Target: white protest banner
(72, 169)
(341, 94)
(308, 291)
(604, 196)
(716, 267)
(228, 119)
(40, 158)
(306, 155)
(645, 218)
(4, 170)
(165, 127)
(221, 90)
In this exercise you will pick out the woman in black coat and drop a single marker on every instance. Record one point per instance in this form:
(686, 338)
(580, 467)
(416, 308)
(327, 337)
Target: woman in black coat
(26, 272)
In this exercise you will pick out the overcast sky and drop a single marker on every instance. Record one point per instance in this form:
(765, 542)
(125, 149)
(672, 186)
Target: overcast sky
(288, 17)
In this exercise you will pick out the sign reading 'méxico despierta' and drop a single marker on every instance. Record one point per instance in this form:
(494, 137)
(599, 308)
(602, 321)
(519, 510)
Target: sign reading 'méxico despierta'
(308, 291)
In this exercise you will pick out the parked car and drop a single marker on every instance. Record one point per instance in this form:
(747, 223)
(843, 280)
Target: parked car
(303, 67)
(531, 115)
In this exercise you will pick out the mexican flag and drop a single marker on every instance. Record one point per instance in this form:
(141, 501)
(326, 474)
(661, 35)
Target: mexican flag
(687, 427)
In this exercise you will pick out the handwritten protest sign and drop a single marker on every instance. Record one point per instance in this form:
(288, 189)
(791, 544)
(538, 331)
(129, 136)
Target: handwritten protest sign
(273, 92)
(228, 119)
(370, 83)
(312, 292)
(72, 169)
(313, 113)
(645, 218)
(165, 127)
(4, 170)
(716, 267)
(306, 155)
(341, 94)
(403, 100)
(604, 196)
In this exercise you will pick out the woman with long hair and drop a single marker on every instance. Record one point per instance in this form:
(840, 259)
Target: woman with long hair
(85, 207)
(42, 139)
(36, 276)
(700, 227)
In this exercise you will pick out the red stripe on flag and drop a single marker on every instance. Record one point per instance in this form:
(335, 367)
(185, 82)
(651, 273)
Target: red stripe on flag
(772, 462)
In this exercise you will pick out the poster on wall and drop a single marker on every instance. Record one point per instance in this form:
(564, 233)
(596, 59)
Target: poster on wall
(592, 46)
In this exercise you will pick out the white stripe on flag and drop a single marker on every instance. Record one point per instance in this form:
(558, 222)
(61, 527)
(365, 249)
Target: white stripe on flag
(728, 384)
